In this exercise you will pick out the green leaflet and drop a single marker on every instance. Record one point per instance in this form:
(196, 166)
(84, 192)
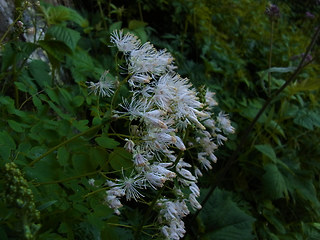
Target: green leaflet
(224, 219)
(107, 142)
(66, 35)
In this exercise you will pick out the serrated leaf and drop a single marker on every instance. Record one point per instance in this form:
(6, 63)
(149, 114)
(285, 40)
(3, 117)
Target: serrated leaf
(107, 142)
(59, 14)
(274, 182)
(68, 36)
(268, 151)
(224, 219)
(120, 158)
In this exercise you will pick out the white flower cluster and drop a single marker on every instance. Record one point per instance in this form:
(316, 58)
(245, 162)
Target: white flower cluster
(164, 111)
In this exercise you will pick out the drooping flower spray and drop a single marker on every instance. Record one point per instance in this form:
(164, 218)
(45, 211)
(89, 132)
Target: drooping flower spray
(169, 119)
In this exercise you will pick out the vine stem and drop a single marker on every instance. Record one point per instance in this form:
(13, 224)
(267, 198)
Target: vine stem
(270, 57)
(64, 143)
(245, 135)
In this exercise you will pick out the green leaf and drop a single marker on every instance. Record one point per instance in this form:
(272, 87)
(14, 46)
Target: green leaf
(16, 52)
(40, 72)
(224, 219)
(281, 69)
(63, 156)
(78, 101)
(274, 183)
(134, 24)
(59, 14)
(115, 26)
(7, 145)
(107, 142)
(56, 50)
(120, 158)
(268, 151)
(46, 205)
(68, 36)
(16, 126)
(82, 163)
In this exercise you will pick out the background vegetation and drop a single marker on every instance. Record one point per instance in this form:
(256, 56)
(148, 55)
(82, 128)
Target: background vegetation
(266, 182)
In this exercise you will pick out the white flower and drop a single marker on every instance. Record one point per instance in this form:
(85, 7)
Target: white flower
(221, 138)
(112, 197)
(157, 174)
(210, 101)
(91, 182)
(204, 161)
(125, 42)
(129, 145)
(197, 172)
(104, 87)
(225, 123)
(194, 189)
(193, 201)
(137, 80)
(147, 59)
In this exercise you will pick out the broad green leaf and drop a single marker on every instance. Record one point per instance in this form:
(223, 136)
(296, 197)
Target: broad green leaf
(59, 14)
(120, 158)
(56, 50)
(40, 72)
(7, 145)
(107, 142)
(268, 151)
(98, 156)
(68, 36)
(274, 183)
(224, 219)
(98, 215)
(307, 119)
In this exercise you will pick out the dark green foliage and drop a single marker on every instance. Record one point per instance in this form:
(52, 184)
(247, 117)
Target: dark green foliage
(50, 124)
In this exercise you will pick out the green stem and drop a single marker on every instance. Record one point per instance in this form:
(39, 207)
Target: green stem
(270, 58)
(94, 192)
(64, 143)
(102, 15)
(140, 11)
(119, 225)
